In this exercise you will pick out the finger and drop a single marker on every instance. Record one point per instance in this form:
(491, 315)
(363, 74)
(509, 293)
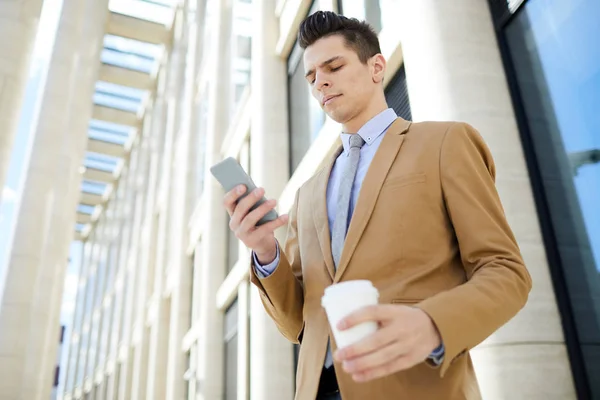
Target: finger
(271, 226)
(376, 313)
(372, 343)
(399, 364)
(255, 215)
(375, 359)
(232, 196)
(242, 207)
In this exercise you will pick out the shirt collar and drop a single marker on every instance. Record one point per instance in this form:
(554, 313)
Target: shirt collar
(374, 128)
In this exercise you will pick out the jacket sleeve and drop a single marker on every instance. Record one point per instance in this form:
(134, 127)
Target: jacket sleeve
(498, 282)
(282, 292)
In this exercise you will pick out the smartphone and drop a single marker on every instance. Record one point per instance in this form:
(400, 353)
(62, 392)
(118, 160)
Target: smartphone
(230, 174)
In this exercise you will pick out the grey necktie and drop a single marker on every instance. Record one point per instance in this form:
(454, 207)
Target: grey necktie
(340, 223)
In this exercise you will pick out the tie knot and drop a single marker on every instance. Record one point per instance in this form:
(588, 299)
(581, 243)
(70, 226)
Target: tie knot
(356, 141)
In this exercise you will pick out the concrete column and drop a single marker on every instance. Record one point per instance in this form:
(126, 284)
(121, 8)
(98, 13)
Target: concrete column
(90, 21)
(214, 234)
(90, 292)
(160, 306)
(181, 202)
(132, 268)
(97, 273)
(157, 360)
(18, 29)
(141, 337)
(21, 315)
(271, 355)
(73, 359)
(125, 212)
(243, 357)
(102, 229)
(454, 72)
(112, 328)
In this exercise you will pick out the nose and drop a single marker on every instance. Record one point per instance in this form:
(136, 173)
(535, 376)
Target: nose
(321, 81)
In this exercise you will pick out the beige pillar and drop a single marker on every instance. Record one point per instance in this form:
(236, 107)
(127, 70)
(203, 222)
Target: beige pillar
(113, 326)
(243, 333)
(86, 18)
(93, 306)
(454, 72)
(141, 337)
(160, 307)
(214, 235)
(157, 360)
(136, 190)
(142, 360)
(23, 317)
(18, 29)
(120, 296)
(76, 329)
(271, 355)
(182, 191)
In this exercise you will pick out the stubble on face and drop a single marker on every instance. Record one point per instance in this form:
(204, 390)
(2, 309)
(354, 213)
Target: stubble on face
(346, 77)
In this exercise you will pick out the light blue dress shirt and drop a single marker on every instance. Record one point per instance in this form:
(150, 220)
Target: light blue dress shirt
(372, 133)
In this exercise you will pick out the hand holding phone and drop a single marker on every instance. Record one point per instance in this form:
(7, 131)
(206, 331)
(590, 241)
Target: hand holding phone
(261, 240)
(230, 174)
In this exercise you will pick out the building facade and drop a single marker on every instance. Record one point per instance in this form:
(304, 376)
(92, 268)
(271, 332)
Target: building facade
(163, 307)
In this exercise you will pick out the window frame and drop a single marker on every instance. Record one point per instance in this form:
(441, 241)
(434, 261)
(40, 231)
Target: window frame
(502, 16)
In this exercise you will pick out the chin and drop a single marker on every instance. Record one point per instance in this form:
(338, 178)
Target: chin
(337, 116)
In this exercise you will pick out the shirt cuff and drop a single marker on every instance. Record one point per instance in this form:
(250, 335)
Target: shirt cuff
(437, 355)
(265, 270)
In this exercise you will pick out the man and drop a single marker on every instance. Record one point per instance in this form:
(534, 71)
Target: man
(413, 208)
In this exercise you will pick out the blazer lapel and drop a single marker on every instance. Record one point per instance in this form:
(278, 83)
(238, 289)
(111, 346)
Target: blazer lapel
(371, 186)
(319, 206)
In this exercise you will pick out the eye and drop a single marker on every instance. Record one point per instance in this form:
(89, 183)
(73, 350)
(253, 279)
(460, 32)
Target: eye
(336, 68)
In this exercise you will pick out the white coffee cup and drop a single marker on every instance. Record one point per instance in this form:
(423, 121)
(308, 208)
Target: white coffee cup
(340, 300)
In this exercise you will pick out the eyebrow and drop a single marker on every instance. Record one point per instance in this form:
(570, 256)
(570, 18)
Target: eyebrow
(324, 63)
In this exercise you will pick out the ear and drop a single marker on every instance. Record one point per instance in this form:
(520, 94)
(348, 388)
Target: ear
(378, 65)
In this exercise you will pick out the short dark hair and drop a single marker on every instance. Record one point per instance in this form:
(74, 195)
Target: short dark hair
(358, 35)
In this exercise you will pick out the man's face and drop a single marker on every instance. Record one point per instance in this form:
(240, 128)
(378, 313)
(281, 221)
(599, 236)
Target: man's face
(341, 84)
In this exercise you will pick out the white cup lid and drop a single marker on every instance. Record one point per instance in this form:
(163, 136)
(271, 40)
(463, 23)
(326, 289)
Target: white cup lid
(348, 287)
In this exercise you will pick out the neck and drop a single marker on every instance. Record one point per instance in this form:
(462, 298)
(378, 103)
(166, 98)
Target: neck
(359, 120)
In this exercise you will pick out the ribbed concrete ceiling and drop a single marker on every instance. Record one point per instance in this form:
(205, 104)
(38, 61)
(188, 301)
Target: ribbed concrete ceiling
(138, 31)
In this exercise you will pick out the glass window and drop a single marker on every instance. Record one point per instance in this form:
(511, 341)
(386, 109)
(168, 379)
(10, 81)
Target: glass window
(231, 351)
(105, 330)
(396, 95)
(556, 59)
(120, 97)
(93, 345)
(364, 10)
(109, 132)
(117, 312)
(123, 326)
(241, 51)
(129, 53)
(190, 374)
(159, 11)
(194, 278)
(90, 291)
(201, 144)
(83, 283)
(306, 118)
(85, 335)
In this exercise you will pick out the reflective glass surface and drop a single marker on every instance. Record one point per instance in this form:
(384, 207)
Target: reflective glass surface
(306, 118)
(159, 11)
(555, 53)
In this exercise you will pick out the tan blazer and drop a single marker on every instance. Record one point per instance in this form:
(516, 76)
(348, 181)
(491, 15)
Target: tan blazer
(429, 231)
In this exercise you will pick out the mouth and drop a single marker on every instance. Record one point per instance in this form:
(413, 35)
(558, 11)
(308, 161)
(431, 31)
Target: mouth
(329, 99)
